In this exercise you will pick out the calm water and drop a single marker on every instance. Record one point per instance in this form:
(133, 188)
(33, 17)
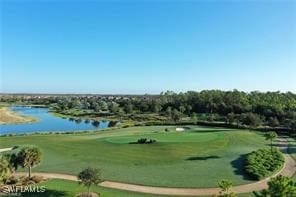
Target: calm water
(48, 122)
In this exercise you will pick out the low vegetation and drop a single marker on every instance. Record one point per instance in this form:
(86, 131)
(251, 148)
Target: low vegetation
(279, 186)
(263, 162)
(144, 141)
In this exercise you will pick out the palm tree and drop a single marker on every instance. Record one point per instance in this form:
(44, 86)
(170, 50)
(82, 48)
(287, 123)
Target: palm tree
(225, 186)
(88, 177)
(29, 157)
(5, 169)
(271, 136)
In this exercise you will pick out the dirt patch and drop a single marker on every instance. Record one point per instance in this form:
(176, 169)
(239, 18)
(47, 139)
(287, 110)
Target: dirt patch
(10, 117)
(85, 194)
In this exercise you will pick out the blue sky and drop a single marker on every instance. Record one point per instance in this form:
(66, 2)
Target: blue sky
(147, 46)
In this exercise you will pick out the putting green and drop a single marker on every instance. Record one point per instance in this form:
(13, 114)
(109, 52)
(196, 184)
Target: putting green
(198, 157)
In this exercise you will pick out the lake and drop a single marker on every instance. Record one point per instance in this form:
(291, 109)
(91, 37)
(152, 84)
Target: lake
(48, 122)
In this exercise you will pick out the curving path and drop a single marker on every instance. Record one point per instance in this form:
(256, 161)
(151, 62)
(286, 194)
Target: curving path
(288, 169)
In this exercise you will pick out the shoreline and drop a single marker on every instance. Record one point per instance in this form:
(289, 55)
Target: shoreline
(8, 117)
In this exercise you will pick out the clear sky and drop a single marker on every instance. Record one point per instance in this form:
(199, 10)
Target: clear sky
(147, 46)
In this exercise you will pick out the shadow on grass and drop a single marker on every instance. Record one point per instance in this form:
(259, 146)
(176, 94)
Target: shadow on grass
(238, 164)
(47, 193)
(197, 158)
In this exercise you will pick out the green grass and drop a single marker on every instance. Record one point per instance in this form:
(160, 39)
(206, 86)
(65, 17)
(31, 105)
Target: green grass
(63, 188)
(199, 157)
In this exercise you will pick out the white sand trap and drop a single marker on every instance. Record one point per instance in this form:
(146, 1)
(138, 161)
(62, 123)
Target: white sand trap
(180, 129)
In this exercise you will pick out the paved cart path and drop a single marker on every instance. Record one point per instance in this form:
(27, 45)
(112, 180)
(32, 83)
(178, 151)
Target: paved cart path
(288, 169)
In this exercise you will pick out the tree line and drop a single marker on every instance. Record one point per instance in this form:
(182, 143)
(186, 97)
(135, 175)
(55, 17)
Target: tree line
(273, 109)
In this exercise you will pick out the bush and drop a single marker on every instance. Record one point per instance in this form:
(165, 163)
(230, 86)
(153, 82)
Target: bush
(263, 162)
(27, 181)
(15, 147)
(144, 141)
(37, 179)
(12, 180)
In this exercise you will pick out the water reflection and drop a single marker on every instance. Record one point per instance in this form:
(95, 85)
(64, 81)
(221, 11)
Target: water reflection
(48, 122)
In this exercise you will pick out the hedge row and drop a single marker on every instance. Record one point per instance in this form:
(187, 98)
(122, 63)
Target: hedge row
(263, 162)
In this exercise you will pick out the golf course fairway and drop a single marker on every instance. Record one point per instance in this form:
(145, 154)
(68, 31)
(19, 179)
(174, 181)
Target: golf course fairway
(195, 157)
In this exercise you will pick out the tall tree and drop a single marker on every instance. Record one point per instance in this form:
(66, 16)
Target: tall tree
(89, 176)
(29, 157)
(271, 136)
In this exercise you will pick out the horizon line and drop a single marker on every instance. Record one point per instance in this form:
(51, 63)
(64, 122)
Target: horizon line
(177, 92)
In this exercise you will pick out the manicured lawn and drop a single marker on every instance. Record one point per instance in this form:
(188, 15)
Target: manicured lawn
(199, 157)
(63, 188)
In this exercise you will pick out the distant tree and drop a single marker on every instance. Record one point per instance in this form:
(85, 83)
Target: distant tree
(251, 119)
(279, 186)
(103, 105)
(96, 107)
(194, 117)
(182, 109)
(156, 108)
(29, 157)
(168, 112)
(231, 117)
(273, 122)
(128, 108)
(89, 176)
(176, 115)
(114, 107)
(271, 136)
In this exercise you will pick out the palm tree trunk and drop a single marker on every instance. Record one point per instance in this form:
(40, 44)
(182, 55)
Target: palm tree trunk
(88, 191)
(29, 172)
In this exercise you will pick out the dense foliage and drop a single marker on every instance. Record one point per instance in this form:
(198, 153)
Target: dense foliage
(278, 187)
(271, 109)
(263, 162)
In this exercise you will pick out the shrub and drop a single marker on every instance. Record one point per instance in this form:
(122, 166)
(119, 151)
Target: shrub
(263, 162)
(144, 141)
(15, 147)
(37, 179)
(27, 181)
(12, 180)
